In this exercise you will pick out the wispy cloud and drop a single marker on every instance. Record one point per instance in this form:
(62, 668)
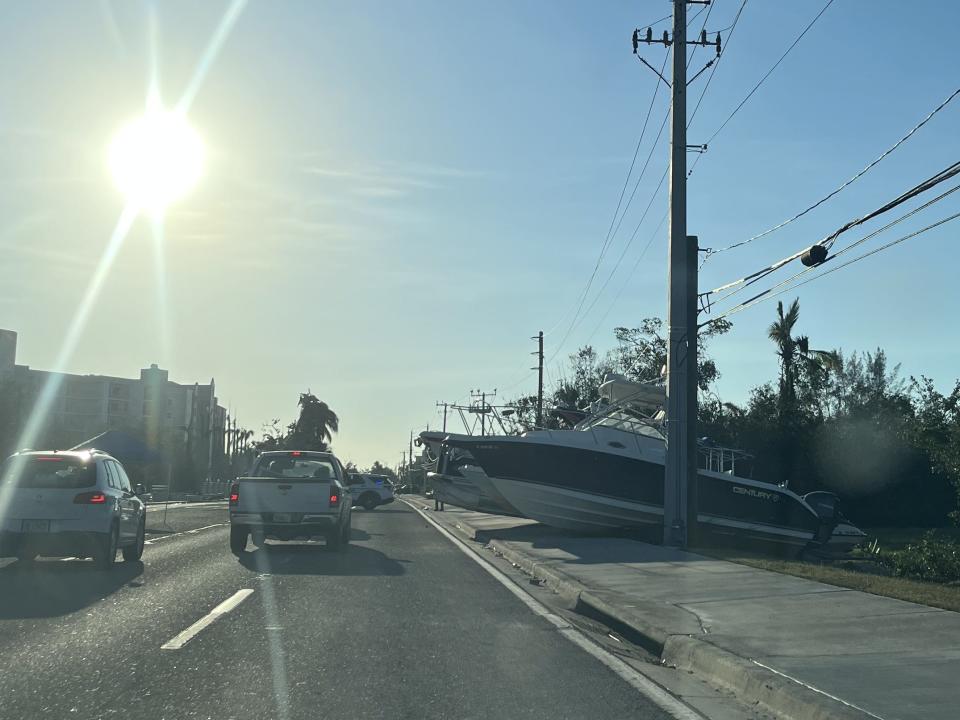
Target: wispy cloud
(372, 182)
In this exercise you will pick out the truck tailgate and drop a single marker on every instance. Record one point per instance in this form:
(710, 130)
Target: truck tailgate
(284, 495)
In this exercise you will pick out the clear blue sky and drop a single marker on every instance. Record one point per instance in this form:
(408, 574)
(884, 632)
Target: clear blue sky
(397, 195)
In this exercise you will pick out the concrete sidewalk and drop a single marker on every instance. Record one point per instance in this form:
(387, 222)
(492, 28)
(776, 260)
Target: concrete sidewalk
(801, 648)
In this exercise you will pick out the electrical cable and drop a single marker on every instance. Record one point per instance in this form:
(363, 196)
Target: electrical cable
(611, 233)
(856, 177)
(713, 70)
(769, 72)
(769, 294)
(862, 240)
(702, 28)
(629, 277)
(573, 323)
(829, 240)
(626, 247)
(762, 80)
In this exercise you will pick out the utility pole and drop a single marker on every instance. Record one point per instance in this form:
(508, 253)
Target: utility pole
(680, 478)
(444, 414)
(677, 472)
(410, 471)
(539, 368)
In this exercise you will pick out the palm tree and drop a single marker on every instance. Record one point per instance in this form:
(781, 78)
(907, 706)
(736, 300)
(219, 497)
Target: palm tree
(796, 356)
(317, 421)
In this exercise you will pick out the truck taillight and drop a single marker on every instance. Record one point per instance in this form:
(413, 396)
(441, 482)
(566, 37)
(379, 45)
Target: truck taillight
(334, 499)
(90, 498)
(235, 493)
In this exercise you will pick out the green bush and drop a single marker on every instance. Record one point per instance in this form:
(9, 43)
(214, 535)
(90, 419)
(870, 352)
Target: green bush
(932, 559)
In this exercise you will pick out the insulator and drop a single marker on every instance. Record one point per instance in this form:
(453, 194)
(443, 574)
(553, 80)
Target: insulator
(635, 41)
(718, 43)
(703, 37)
(666, 38)
(814, 255)
(649, 34)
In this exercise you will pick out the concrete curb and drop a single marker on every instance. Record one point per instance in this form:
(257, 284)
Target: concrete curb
(750, 681)
(755, 683)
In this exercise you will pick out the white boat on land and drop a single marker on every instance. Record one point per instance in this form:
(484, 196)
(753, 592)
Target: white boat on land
(458, 480)
(608, 473)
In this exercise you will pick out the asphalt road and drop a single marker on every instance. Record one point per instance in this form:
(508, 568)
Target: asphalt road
(400, 625)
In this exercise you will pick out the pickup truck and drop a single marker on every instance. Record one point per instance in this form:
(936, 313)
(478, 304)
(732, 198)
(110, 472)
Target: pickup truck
(369, 491)
(291, 495)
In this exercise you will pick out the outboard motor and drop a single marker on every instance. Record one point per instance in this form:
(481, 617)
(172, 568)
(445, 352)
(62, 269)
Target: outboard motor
(827, 506)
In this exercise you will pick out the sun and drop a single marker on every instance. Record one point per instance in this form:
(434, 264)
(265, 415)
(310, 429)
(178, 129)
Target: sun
(156, 160)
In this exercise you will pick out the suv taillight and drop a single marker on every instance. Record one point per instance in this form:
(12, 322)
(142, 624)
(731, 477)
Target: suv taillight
(90, 498)
(334, 498)
(235, 493)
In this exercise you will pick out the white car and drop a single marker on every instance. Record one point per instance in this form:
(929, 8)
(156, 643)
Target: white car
(290, 495)
(69, 504)
(370, 491)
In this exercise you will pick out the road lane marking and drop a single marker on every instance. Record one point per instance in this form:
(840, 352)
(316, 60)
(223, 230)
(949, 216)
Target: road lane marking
(151, 541)
(211, 617)
(156, 507)
(638, 681)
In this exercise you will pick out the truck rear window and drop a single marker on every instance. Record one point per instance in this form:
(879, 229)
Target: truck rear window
(49, 472)
(289, 466)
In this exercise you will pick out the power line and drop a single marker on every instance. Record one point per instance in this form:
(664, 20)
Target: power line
(646, 163)
(762, 80)
(862, 240)
(770, 295)
(703, 27)
(830, 239)
(853, 179)
(611, 232)
(626, 247)
(629, 277)
(769, 72)
(713, 70)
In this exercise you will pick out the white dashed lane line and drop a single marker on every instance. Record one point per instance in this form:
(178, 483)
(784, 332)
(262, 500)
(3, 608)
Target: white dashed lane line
(151, 541)
(178, 641)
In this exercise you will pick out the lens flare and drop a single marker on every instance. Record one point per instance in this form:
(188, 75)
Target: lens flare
(156, 160)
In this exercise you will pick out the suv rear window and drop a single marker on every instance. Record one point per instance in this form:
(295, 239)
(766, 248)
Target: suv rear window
(49, 472)
(290, 466)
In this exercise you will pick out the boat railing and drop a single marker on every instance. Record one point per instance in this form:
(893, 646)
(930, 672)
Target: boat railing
(717, 458)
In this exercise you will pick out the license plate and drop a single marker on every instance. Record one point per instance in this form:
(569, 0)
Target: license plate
(36, 526)
(282, 517)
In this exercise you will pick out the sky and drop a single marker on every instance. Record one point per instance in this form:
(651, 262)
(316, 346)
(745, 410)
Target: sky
(397, 196)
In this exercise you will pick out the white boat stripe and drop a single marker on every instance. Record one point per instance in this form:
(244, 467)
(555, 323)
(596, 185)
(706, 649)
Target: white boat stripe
(715, 520)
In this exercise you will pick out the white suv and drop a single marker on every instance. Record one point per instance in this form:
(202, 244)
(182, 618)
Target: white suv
(73, 504)
(369, 491)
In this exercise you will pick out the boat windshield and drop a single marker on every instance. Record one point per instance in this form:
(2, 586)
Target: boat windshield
(627, 414)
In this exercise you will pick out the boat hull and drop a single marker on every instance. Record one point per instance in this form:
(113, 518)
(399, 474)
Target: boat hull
(459, 491)
(591, 490)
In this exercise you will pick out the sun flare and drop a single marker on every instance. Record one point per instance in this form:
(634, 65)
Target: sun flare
(156, 160)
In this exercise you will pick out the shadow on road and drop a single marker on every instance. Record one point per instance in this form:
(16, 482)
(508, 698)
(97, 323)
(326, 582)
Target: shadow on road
(358, 534)
(52, 588)
(316, 559)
